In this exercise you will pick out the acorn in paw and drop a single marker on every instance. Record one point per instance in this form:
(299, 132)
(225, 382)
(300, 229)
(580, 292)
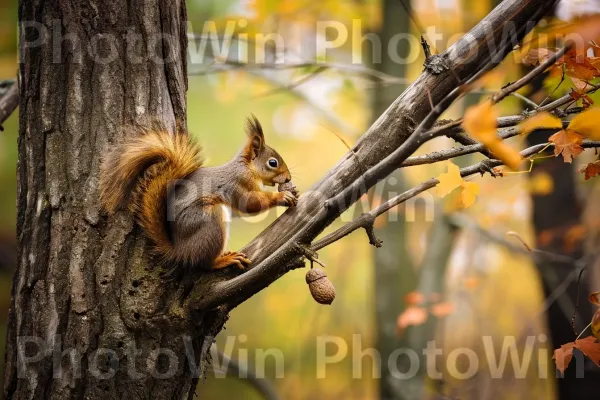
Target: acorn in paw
(289, 187)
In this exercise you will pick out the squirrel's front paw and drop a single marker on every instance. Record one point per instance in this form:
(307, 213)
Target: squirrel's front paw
(288, 199)
(239, 260)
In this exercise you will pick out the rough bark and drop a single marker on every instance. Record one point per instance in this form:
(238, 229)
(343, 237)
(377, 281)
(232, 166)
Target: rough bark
(86, 282)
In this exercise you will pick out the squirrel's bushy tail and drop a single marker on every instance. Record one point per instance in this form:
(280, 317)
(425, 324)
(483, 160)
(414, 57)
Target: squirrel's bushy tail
(140, 172)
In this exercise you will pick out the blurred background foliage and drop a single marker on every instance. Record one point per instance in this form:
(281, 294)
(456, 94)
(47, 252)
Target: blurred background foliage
(492, 291)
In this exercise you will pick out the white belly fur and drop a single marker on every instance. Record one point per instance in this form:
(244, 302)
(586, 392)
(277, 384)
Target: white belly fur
(226, 222)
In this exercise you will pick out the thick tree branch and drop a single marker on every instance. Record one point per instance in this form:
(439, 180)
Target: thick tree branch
(9, 103)
(389, 142)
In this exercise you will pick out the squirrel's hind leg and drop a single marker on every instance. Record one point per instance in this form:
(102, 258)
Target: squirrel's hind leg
(231, 258)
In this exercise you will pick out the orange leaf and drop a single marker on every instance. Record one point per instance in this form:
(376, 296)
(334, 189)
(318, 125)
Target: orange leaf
(579, 95)
(412, 316)
(591, 170)
(590, 346)
(480, 121)
(538, 121)
(562, 357)
(414, 298)
(537, 56)
(595, 298)
(582, 31)
(442, 309)
(587, 124)
(568, 143)
(596, 324)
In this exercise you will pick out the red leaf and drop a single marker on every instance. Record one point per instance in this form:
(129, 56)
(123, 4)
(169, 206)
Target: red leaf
(591, 170)
(568, 143)
(590, 346)
(412, 316)
(562, 357)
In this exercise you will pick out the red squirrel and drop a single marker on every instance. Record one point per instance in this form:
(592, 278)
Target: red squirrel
(184, 207)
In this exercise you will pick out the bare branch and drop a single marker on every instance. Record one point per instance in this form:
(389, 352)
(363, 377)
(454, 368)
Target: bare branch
(9, 103)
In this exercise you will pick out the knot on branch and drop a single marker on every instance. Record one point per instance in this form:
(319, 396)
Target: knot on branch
(368, 225)
(435, 64)
(309, 254)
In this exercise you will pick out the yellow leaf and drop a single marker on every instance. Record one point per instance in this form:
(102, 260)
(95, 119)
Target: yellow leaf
(587, 123)
(538, 121)
(480, 121)
(509, 156)
(542, 184)
(449, 180)
(470, 190)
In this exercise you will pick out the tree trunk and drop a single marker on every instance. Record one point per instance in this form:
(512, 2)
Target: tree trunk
(394, 273)
(84, 286)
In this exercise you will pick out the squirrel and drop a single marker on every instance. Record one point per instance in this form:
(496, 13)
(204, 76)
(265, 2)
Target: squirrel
(184, 207)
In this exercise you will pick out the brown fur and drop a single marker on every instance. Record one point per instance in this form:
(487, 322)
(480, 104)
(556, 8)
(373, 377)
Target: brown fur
(141, 170)
(186, 222)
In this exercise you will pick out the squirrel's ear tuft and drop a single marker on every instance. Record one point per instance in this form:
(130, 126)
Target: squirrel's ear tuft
(256, 139)
(253, 127)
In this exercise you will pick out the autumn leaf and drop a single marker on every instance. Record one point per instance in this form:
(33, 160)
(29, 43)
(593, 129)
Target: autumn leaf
(580, 68)
(442, 309)
(582, 30)
(591, 170)
(470, 190)
(590, 347)
(412, 316)
(562, 357)
(541, 184)
(452, 180)
(449, 180)
(587, 123)
(595, 298)
(580, 85)
(537, 56)
(539, 121)
(414, 298)
(568, 143)
(579, 95)
(596, 324)
(480, 121)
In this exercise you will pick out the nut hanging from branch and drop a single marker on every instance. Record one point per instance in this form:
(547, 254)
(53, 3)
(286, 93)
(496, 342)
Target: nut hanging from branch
(321, 288)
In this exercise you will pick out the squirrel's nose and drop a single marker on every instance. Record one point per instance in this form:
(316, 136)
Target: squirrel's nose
(288, 179)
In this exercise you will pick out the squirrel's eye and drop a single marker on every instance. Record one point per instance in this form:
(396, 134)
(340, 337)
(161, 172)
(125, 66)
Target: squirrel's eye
(273, 163)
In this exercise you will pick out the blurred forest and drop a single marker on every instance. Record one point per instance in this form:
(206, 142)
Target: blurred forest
(489, 289)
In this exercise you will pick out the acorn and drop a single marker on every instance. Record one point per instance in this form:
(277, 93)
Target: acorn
(321, 288)
(288, 187)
